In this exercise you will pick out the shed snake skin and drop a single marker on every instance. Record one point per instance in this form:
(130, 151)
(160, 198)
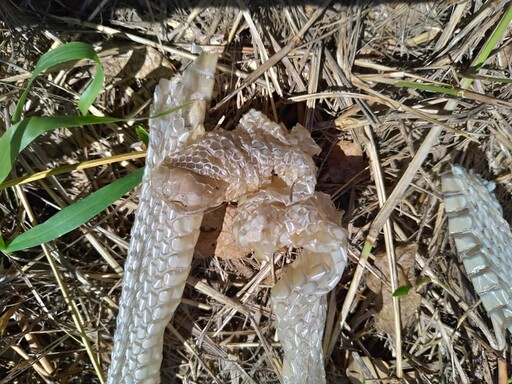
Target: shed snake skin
(483, 240)
(162, 240)
(271, 174)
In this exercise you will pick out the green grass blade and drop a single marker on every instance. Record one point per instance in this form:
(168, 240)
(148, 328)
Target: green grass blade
(75, 215)
(23, 133)
(64, 53)
(493, 40)
(430, 88)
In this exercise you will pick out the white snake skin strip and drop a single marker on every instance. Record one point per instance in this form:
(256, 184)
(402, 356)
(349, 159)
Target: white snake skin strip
(184, 177)
(266, 222)
(163, 241)
(224, 166)
(483, 240)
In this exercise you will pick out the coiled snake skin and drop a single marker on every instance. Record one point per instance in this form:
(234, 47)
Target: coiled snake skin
(272, 175)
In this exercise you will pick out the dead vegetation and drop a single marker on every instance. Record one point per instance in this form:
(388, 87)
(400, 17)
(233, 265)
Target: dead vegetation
(330, 67)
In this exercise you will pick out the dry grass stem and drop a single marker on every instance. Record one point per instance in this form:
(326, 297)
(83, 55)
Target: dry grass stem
(390, 93)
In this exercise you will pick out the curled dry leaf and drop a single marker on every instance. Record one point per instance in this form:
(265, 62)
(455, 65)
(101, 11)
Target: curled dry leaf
(138, 63)
(408, 303)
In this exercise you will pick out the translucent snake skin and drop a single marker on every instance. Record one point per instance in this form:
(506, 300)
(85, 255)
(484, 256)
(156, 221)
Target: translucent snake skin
(222, 166)
(271, 173)
(163, 240)
(267, 221)
(483, 240)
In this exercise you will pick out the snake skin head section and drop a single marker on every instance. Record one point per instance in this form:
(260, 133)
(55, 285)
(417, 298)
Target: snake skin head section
(187, 191)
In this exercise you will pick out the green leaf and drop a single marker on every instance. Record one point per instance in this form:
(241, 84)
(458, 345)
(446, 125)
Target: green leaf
(64, 53)
(423, 280)
(457, 92)
(402, 291)
(2, 243)
(142, 134)
(75, 215)
(23, 133)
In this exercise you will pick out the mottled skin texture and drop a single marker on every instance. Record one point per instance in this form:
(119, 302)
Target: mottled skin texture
(274, 211)
(483, 240)
(267, 221)
(272, 174)
(163, 240)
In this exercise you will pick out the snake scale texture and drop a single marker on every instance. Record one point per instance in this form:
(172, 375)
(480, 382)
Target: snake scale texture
(272, 175)
(162, 240)
(483, 240)
(267, 221)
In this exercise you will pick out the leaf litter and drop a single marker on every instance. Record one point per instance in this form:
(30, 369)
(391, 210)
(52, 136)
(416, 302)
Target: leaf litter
(330, 68)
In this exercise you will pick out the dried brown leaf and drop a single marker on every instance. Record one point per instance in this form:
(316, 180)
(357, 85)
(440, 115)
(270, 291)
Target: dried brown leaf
(345, 161)
(6, 316)
(139, 63)
(409, 303)
(216, 238)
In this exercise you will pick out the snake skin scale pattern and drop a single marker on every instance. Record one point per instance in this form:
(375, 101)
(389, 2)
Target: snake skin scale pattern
(239, 165)
(222, 166)
(265, 222)
(163, 241)
(273, 176)
(483, 240)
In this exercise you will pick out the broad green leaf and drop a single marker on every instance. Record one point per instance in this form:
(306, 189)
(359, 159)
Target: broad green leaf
(74, 215)
(402, 291)
(64, 53)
